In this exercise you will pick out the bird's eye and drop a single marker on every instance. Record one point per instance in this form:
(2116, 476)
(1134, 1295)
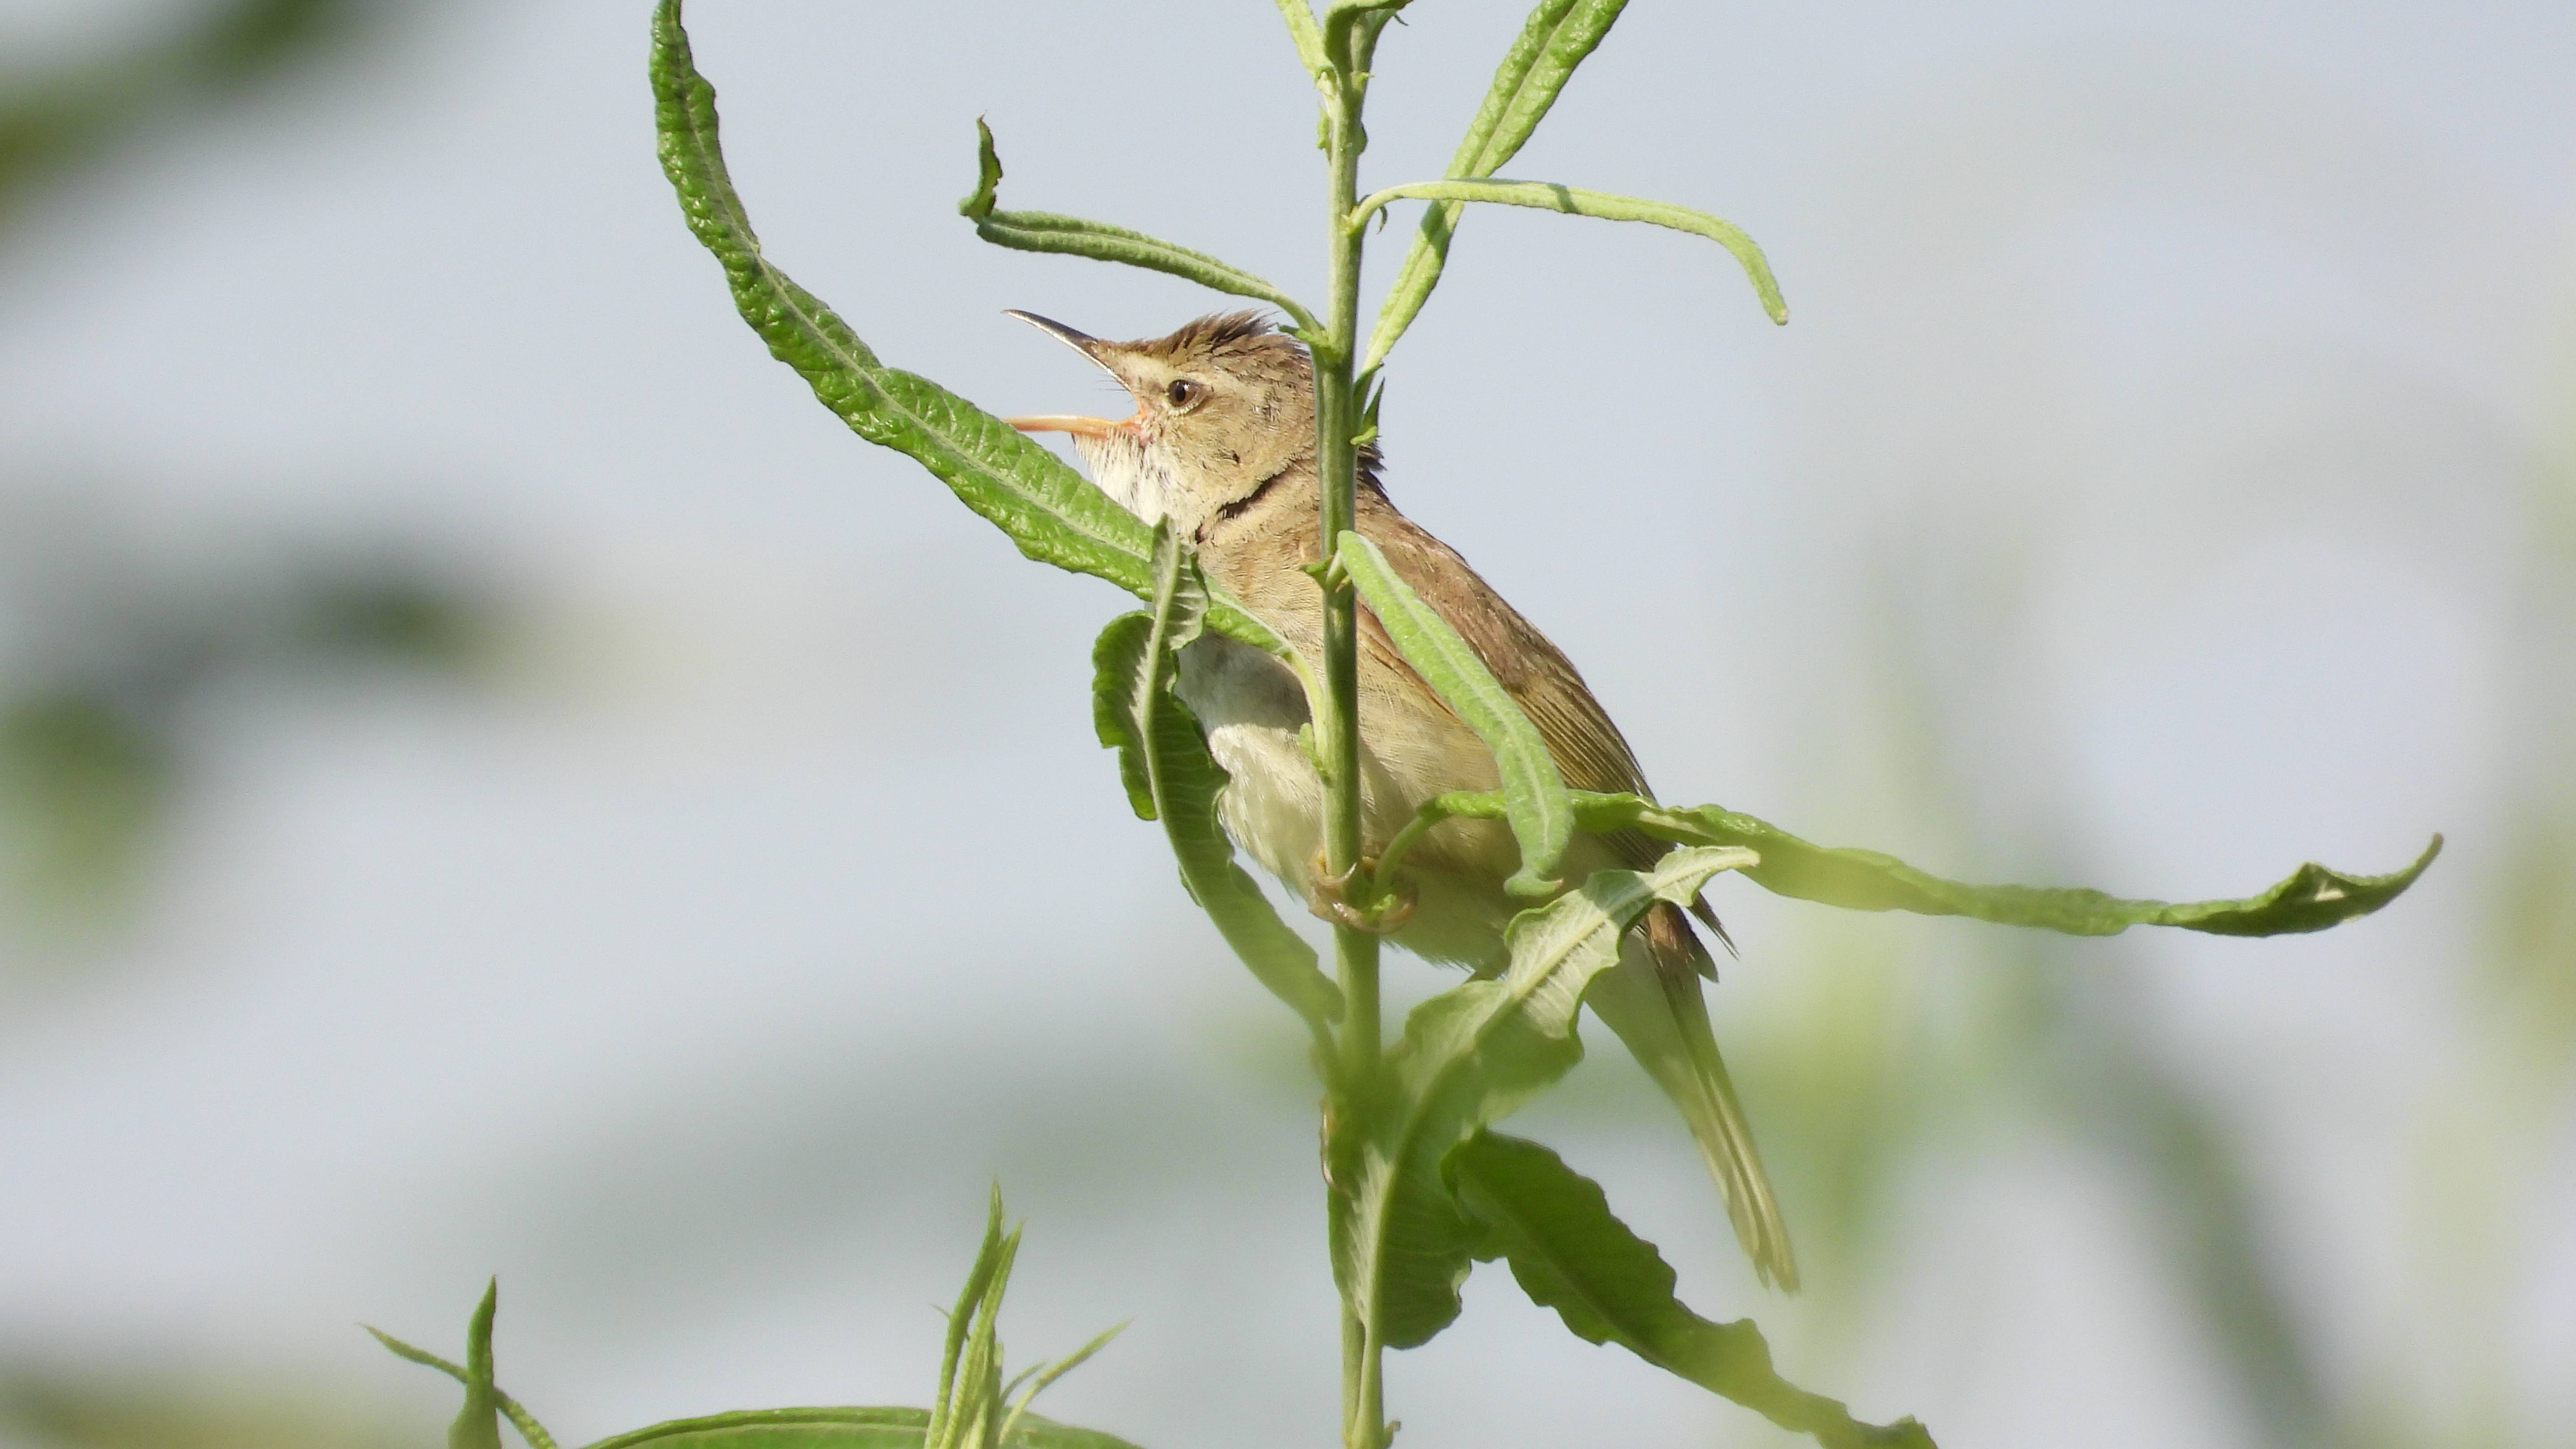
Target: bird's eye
(1183, 392)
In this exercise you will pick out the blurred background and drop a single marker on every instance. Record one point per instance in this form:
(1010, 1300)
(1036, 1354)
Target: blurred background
(494, 779)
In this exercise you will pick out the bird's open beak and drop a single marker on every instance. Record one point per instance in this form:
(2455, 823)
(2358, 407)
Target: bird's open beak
(1089, 346)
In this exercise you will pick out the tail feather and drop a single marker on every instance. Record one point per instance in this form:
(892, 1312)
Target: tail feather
(1652, 1000)
(1700, 907)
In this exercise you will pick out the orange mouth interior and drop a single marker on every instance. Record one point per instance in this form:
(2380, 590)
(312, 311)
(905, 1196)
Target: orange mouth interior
(1070, 423)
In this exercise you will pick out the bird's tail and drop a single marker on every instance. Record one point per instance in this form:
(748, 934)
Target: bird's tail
(1652, 1000)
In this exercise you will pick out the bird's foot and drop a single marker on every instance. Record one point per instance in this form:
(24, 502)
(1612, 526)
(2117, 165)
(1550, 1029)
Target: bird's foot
(1330, 898)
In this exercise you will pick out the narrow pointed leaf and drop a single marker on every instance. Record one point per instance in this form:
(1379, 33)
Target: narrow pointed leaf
(1470, 1056)
(832, 1428)
(1569, 1253)
(1555, 39)
(1549, 196)
(478, 1424)
(1041, 231)
(2310, 898)
(992, 1266)
(1052, 1372)
(841, 1428)
(1169, 774)
(1051, 512)
(1308, 37)
(517, 1413)
(1541, 815)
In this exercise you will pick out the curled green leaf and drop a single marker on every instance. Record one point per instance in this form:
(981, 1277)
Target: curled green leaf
(1052, 513)
(1170, 776)
(1549, 196)
(2310, 898)
(1470, 1056)
(1535, 801)
(1555, 39)
(988, 176)
(1040, 231)
(1570, 1253)
(1118, 657)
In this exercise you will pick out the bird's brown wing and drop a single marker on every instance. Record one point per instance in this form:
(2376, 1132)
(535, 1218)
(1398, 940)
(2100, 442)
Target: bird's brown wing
(1668, 1027)
(1589, 751)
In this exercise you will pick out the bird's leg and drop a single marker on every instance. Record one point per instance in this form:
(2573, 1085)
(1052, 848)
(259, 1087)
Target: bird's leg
(1329, 898)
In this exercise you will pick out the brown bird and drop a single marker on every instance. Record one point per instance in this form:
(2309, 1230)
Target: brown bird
(1222, 443)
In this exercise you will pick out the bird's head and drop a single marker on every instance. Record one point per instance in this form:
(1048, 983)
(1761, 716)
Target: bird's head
(1223, 406)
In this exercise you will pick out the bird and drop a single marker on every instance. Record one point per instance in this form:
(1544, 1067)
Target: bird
(1222, 445)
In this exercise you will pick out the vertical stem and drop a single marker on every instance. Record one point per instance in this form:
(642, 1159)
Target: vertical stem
(1348, 44)
(1337, 463)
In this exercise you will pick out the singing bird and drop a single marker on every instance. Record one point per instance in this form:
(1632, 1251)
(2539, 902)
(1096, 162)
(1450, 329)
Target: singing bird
(1222, 443)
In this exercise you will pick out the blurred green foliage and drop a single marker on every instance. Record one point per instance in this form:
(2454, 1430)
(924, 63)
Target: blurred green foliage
(1868, 1079)
(81, 783)
(105, 656)
(114, 659)
(142, 1408)
(109, 660)
(58, 121)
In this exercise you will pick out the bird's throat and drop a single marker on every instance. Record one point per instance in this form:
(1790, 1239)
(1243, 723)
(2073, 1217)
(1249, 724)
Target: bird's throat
(1136, 475)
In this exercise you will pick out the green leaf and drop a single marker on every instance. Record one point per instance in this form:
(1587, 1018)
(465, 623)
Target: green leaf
(1470, 1056)
(2311, 898)
(478, 1424)
(1040, 231)
(1557, 37)
(1051, 512)
(1048, 1374)
(853, 1428)
(988, 176)
(1549, 196)
(1308, 38)
(476, 1427)
(970, 1362)
(1542, 818)
(1610, 1286)
(969, 1389)
(971, 1411)
(1177, 781)
(1117, 659)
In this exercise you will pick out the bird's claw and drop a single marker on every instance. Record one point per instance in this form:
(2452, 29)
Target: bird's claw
(1329, 899)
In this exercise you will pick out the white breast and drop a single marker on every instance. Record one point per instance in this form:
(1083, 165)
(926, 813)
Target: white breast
(1250, 707)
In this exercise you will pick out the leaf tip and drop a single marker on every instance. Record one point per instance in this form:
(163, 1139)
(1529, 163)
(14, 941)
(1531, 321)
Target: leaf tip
(988, 176)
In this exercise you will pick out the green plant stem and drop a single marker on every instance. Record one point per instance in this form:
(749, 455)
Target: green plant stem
(1337, 459)
(1337, 717)
(1348, 41)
